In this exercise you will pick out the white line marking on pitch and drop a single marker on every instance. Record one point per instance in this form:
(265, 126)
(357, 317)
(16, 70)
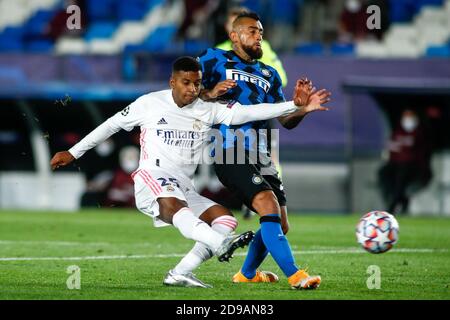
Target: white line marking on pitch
(74, 243)
(179, 255)
(56, 243)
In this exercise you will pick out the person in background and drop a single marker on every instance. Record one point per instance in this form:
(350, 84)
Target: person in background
(120, 192)
(197, 13)
(99, 167)
(57, 26)
(353, 22)
(408, 167)
(384, 19)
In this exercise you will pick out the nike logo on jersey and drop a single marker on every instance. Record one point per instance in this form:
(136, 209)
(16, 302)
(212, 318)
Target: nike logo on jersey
(239, 75)
(162, 121)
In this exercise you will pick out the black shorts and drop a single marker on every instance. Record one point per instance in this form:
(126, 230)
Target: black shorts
(245, 181)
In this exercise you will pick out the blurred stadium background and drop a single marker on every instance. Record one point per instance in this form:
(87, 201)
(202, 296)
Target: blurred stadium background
(57, 84)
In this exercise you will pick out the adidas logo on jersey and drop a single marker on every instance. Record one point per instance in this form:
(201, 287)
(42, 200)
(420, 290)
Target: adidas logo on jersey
(162, 121)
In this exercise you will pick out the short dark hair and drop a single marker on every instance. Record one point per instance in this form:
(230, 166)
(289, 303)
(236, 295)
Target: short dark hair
(187, 64)
(248, 14)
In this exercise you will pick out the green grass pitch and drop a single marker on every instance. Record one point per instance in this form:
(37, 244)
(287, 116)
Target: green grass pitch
(122, 256)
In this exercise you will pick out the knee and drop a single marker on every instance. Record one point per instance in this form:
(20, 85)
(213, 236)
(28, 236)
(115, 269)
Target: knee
(285, 227)
(266, 202)
(168, 207)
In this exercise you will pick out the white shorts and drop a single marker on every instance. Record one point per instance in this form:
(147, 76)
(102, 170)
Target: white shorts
(151, 184)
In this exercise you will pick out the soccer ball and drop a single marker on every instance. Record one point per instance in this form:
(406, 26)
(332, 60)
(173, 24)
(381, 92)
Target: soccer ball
(377, 231)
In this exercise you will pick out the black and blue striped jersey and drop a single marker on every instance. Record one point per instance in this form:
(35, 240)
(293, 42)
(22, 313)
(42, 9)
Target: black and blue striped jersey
(256, 83)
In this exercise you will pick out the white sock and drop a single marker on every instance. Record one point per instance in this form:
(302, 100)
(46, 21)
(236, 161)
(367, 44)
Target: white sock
(200, 252)
(193, 228)
(224, 224)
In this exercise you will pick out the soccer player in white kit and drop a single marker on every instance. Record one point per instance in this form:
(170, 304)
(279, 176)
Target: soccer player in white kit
(174, 126)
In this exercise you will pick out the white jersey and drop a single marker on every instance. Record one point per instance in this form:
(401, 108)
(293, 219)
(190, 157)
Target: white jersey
(173, 138)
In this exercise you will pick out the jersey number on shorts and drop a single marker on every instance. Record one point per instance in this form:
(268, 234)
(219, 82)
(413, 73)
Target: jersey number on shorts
(165, 183)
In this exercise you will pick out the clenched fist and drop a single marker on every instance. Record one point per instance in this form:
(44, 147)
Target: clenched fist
(62, 158)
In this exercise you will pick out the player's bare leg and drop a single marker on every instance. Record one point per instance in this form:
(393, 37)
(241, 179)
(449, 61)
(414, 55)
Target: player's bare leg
(176, 212)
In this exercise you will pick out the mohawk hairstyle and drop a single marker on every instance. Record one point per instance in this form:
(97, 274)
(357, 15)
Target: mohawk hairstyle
(187, 64)
(247, 14)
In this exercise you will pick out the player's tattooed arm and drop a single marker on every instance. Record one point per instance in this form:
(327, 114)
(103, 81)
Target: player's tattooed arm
(220, 89)
(62, 158)
(308, 99)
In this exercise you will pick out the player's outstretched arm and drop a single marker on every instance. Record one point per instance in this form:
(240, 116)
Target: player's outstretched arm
(61, 159)
(220, 89)
(302, 92)
(236, 114)
(126, 119)
(240, 114)
(316, 101)
(94, 138)
(308, 99)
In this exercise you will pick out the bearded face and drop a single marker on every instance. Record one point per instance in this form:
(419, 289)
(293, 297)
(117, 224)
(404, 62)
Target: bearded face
(254, 51)
(248, 37)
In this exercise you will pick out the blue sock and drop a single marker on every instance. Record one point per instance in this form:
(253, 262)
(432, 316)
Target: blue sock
(277, 243)
(257, 252)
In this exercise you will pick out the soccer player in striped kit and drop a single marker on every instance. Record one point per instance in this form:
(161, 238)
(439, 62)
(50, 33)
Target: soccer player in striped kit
(238, 75)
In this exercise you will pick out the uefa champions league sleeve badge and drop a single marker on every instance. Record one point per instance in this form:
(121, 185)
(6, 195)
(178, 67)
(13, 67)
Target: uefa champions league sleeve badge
(257, 179)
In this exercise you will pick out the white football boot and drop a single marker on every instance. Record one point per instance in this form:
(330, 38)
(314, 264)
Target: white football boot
(184, 280)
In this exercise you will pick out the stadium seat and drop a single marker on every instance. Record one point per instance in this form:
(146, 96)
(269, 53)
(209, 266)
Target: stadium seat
(432, 36)
(313, 48)
(342, 49)
(253, 5)
(37, 23)
(134, 48)
(129, 34)
(11, 39)
(401, 10)
(438, 51)
(12, 45)
(432, 16)
(401, 31)
(103, 46)
(371, 49)
(100, 30)
(403, 49)
(159, 39)
(131, 10)
(17, 12)
(195, 47)
(39, 45)
(419, 4)
(401, 41)
(286, 11)
(101, 10)
(71, 46)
